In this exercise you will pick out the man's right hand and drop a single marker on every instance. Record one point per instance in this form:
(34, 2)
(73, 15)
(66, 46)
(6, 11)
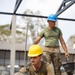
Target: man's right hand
(23, 70)
(66, 54)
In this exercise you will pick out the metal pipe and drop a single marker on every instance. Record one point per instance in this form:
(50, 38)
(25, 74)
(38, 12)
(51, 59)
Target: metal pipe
(66, 19)
(65, 7)
(25, 54)
(27, 15)
(8, 13)
(18, 2)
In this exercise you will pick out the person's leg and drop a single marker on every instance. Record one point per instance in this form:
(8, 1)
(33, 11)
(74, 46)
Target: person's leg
(46, 56)
(56, 60)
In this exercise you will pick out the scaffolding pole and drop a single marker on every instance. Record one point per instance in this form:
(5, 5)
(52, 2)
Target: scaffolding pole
(12, 54)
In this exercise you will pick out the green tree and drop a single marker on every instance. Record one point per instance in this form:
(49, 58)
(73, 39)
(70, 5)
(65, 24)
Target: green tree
(71, 40)
(35, 25)
(5, 33)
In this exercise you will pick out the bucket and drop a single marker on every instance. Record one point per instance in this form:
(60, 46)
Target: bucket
(69, 68)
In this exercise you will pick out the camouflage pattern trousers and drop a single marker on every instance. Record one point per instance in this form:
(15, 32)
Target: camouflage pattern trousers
(53, 55)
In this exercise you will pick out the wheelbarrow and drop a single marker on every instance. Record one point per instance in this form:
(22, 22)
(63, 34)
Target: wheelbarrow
(69, 67)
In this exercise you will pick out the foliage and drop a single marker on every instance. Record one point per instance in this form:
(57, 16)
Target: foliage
(71, 40)
(5, 32)
(4, 29)
(35, 25)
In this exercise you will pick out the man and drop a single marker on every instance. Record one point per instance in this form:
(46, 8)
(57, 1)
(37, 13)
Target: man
(52, 35)
(37, 66)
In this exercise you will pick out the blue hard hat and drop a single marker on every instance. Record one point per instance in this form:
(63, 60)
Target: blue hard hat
(52, 17)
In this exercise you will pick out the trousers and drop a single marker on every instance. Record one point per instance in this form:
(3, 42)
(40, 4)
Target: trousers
(53, 55)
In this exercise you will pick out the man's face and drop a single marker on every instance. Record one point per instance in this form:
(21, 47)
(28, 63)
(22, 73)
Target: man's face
(35, 60)
(52, 24)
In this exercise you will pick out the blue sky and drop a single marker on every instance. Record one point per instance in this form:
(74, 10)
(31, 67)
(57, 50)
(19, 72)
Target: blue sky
(46, 7)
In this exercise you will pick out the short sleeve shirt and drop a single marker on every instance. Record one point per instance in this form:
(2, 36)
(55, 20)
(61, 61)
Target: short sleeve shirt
(51, 36)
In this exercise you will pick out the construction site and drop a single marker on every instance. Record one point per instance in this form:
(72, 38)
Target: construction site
(23, 27)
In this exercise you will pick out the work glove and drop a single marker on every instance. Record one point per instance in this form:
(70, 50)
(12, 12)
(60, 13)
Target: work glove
(66, 54)
(23, 70)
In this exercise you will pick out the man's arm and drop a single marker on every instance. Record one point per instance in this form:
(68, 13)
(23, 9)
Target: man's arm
(49, 69)
(22, 71)
(64, 46)
(37, 40)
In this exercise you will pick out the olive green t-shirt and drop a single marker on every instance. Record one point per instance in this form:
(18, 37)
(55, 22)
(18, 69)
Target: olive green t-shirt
(45, 69)
(51, 36)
